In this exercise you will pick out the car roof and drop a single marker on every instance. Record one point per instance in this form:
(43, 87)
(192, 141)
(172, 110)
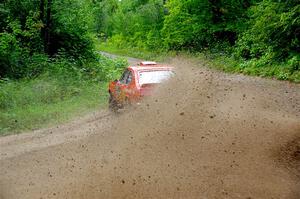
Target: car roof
(139, 68)
(149, 65)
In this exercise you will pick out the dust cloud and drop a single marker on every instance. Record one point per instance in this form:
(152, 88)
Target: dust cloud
(203, 134)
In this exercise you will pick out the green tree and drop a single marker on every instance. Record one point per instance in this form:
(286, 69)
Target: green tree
(201, 24)
(136, 22)
(273, 31)
(187, 24)
(46, 27)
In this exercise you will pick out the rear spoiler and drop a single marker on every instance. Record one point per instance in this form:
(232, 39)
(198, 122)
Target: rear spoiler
(147, 63)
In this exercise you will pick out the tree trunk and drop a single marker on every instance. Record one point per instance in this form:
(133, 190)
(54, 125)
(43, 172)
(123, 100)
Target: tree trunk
(42, 18)
(48, 28)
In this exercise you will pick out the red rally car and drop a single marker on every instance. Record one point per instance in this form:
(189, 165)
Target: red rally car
(136, 82)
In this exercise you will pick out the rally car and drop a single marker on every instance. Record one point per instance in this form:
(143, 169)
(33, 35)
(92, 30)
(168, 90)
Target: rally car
(136, 82)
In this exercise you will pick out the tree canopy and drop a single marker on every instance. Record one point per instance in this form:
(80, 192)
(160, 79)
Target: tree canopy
(255, 31)
(32, 28)
(264, 31)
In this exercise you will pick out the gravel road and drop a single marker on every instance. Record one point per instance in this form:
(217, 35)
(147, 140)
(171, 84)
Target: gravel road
(204, 134)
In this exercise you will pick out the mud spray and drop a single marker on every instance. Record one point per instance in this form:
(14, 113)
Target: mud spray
(204, 134)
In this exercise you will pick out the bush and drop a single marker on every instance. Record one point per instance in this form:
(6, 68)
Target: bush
(63, 85)
(29, 32)
(273, 29)
(60, 79)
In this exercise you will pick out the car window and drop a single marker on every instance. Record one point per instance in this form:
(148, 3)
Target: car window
(129, 78)
(124, 77)
(154, 77)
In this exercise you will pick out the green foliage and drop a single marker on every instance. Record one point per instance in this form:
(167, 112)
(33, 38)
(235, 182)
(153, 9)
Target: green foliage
(272, 38)
(253, 67)
(31, 29)
(65, 85)
(48, 65)
(178, 25)
(103, 11)
(28, 105)
(185, 26)
(10, 52)
(71, 24)
(137, 23)
(59, 81)
(19, 36)
(261, 35)
(195, 24)
(272, 30)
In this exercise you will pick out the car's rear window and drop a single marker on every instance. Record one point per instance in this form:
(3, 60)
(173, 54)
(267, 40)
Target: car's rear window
(154, 77)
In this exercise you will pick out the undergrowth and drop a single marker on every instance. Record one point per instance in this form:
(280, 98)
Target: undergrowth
(62, 92)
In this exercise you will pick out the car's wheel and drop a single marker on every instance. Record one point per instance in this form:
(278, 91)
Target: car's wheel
(112, 104)
(125, 105)
(127, 102)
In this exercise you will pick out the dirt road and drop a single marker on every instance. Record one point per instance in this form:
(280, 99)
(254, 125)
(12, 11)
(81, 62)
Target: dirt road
(204, 134)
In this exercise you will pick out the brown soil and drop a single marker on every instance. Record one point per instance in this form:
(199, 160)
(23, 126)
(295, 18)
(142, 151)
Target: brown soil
(204, 134)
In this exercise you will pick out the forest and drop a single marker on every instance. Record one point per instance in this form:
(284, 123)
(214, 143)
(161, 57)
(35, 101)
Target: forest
(51, 68)
(257, 37)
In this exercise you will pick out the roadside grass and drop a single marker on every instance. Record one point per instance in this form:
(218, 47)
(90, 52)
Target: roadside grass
(63, 90)
(263, 68)
(31, 104)
(252, 68)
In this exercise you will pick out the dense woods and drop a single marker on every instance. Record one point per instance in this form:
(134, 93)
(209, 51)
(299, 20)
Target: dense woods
(49, 70)
(261, 35)
(34, 30)
(48, 56)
